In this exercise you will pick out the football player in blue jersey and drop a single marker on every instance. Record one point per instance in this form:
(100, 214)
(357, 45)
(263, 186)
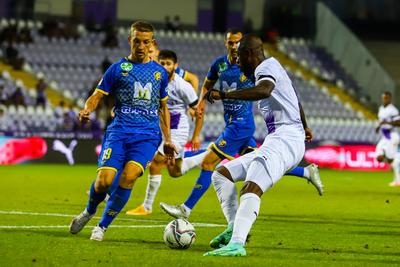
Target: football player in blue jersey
(237, 137)
(130, 141)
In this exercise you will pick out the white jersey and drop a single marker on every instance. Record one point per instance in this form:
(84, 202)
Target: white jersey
(388, 113)
(282, 107)
(180, 95)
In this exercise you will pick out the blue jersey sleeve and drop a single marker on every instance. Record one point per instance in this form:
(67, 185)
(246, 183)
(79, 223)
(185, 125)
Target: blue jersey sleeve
(181, 72)
(212, 74)
(163, 88)
(106, 83)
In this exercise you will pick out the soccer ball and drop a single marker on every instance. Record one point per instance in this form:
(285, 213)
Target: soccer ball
(179, 234)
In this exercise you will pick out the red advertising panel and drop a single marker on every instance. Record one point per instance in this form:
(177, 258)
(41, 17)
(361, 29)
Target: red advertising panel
(346, 157)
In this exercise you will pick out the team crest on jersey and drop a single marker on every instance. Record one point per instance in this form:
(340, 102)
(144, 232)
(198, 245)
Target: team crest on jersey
(157, 75)
(124, 73)
(222, 66)
(222, 143)
(243, 77)
(126, 66)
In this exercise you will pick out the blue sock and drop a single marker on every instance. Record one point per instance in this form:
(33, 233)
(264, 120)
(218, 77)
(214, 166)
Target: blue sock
(201, 186)
(117, 201)
(298, 171)
(94, 199)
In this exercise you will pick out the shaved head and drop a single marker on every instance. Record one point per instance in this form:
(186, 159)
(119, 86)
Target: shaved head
(250, 42)
(251, 53)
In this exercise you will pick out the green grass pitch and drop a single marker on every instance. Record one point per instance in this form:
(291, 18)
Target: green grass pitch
(356, 223)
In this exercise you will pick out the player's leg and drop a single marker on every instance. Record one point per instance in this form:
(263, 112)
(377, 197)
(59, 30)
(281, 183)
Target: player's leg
(224, 179)
(153, 184)
(391, 155)
(264, 171)
(380, 150)
(189, 163)
(138, 151)
(118, 198)
(203, 182)
(108, 164)
(311, 174)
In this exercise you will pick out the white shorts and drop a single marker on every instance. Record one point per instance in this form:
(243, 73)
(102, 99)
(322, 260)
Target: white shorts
(179, 138)
(277, 155)
(388, 147)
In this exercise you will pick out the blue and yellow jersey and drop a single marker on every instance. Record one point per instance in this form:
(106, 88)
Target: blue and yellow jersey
(231, 78)
(181, 72)
(138, 89)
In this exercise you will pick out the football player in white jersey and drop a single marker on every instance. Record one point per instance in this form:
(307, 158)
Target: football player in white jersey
(282, 149)
(386, 149)
(181, 97)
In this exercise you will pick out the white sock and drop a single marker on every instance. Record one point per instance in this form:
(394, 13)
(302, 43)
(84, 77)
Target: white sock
(396, 169)
(153, 184)
(306, 173)
(191, 162)
(187, 209)
(227, 195)
(245, 217)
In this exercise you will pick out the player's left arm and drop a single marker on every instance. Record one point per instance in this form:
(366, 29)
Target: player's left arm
(262, 90)
(192, 79)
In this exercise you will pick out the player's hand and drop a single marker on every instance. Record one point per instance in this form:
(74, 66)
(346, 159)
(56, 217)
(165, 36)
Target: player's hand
(170, 152)
(84, 115)
(195, 143)
(212, 95)
(309, 135)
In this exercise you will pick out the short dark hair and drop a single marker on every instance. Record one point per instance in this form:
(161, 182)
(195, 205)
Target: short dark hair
(142, 26)
(387, 93)
(232, 31)
(168, 54)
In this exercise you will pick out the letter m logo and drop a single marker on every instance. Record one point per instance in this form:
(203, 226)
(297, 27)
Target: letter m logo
(226, 86)
(142, 92)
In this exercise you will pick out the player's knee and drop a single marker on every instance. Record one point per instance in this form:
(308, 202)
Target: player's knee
(380, 158)
(102, 181)
(208, 164)
(251, 187)
(128, 179)
(175, 173)
(222, 173)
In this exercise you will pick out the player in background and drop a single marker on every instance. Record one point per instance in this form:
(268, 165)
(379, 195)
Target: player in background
(386, 149)
(237, 137)
(181, 97)
(282, 149)
(132, 138)
(186, 75)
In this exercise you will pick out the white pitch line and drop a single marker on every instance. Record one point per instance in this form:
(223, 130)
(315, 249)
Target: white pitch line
(111, 226)
(14, 212)
(67, 226)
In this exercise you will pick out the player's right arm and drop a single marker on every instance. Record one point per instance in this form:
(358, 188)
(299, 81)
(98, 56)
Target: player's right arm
(90, 105)
(103, 88)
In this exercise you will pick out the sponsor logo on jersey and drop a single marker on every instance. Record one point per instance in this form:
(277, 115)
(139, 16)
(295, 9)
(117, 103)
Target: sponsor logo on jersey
(126, 66)
(222, 67)
(157, 75)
